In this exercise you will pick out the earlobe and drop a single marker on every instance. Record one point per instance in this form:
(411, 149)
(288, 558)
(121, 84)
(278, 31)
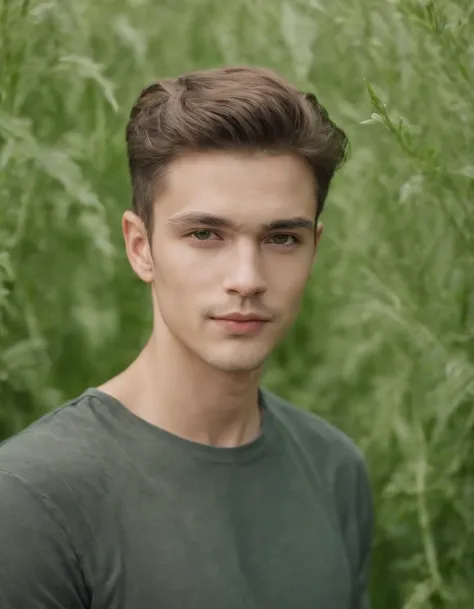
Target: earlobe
(137, 246)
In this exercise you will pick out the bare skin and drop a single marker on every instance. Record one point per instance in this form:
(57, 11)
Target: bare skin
(198, 376)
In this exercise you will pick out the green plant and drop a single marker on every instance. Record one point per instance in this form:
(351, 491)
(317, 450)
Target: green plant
(384, 347)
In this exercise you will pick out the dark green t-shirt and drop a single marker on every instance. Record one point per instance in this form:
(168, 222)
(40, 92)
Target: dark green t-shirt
(102, 510)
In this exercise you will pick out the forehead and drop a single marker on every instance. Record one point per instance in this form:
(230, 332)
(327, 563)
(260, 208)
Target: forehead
(247, 187)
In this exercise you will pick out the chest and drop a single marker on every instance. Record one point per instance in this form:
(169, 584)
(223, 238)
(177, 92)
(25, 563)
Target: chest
(219, 542)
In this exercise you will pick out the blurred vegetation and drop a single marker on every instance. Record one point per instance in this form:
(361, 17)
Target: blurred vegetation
(384, 347)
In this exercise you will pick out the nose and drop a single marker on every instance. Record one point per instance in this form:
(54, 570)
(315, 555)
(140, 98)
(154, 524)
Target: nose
(245, 274)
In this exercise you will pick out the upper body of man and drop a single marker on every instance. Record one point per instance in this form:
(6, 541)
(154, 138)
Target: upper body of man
(181, 482)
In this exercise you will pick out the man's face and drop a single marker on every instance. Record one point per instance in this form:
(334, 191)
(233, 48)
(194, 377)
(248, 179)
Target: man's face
(233, 235)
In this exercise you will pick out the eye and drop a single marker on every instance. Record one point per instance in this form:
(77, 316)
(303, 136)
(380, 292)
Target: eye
(285, 240)
(203, 234)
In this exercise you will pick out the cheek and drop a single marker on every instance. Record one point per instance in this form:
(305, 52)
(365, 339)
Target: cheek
(183, 279)
(193, 269)
(293, 292)
(291, 278)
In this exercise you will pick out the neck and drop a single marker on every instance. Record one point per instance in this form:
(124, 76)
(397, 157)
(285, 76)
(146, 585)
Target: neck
(175, 390)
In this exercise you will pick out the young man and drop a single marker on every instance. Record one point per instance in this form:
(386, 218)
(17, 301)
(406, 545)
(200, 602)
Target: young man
(181, 483)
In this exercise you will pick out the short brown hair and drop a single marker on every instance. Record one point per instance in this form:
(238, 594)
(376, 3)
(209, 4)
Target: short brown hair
(227, 109)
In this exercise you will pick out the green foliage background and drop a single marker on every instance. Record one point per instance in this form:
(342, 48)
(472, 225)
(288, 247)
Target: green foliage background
(384, 347)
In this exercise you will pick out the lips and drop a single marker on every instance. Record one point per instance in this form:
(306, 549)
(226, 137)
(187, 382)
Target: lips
(241, 317)
(241, 324)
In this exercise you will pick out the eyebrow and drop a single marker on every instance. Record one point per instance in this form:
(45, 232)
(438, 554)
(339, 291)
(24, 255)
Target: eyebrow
(197, 218)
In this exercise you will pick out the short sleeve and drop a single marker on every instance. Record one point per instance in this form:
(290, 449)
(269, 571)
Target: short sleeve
(38, 565)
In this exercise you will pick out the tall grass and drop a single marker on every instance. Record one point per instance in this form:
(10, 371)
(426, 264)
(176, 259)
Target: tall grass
(384, 347)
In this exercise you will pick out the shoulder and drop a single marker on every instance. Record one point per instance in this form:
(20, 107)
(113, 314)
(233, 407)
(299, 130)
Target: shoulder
(332, 455)
(56, 450)
(326, 441)
(44, 470)
(338, 463)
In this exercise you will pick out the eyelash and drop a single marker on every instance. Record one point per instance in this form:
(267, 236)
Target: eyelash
(297, 239)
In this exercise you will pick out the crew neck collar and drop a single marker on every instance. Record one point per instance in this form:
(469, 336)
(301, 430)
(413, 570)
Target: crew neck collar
(131, 423)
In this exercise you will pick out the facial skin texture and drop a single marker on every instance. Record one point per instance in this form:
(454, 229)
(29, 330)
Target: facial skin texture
(201, 271)
(195, 377)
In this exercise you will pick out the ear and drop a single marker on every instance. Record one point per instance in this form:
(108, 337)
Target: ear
(318, 231)
(137, 246)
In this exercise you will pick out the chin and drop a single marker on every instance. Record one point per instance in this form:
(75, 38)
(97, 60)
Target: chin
(238, 364)
(239, 368)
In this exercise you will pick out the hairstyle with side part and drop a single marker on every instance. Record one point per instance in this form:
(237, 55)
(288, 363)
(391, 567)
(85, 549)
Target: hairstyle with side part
(227, 109)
